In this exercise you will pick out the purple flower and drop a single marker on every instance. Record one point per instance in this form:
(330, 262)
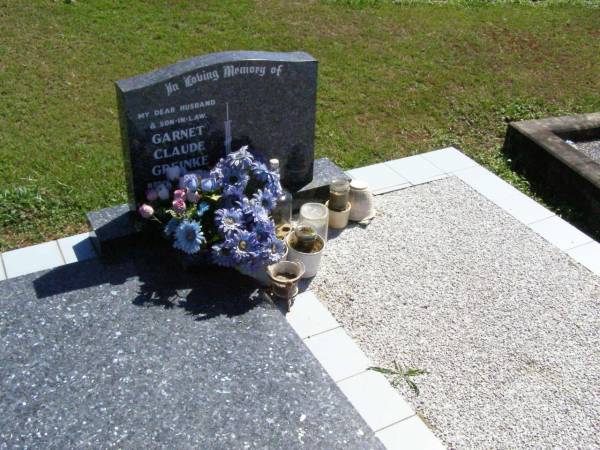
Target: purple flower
(274, 187)
(265, 199)
(260, 171)
(228, 220)
(173, 172)
(190, 182)
(254, 212)
(234, 191)
(240, 160)
(192, 197)
(210, 184)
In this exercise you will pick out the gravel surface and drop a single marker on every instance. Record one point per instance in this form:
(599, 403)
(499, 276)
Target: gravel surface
(507, 325)
(589, 148)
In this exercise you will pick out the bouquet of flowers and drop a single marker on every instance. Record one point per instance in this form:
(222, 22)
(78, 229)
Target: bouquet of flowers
(223, 213)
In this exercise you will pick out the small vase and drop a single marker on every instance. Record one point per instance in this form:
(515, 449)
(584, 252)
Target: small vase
(361, 199)
(339, 219)
(284, 277)
(311, 261)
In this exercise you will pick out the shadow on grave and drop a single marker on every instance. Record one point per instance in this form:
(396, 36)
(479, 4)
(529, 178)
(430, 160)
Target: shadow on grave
(152, 277)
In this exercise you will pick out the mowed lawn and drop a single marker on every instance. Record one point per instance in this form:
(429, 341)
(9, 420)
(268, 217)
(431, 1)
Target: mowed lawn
(394, 80)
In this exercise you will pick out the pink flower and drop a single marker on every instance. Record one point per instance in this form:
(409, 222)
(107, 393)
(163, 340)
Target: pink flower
(179, 205)
(179, 194)
(151, 195)
(146, 211)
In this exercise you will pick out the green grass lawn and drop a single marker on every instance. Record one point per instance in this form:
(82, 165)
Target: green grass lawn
(395, 79)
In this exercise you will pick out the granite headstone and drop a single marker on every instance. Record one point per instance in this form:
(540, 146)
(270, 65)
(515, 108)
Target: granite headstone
(195, 111)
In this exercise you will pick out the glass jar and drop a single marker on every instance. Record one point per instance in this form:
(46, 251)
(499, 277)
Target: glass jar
(315, 215)
(339, 192)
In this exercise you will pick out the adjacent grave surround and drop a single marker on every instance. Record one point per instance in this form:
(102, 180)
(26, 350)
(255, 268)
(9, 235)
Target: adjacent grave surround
(556, 168)
(137, 354)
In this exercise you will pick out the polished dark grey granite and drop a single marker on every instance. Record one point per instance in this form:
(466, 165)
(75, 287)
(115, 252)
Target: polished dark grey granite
(139, 354)
(191, 113)
(113, 229)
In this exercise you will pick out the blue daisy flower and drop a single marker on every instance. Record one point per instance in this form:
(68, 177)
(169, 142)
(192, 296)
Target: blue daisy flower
(264, 229)
(260, 171)
(171, 226)
(234, 191)
(265, 199)
(235, 177)
(245, 246)
(222, 255)
(272, 250)
(189, 237)
(240, 160)
(228, 220)
(253, 212)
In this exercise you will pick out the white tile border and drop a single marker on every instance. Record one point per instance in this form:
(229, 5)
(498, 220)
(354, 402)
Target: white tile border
(411, 433)
(23, 261)
(44, 256)
(375, 399)
(77, 248)
(338, 354)
(560, 233)
(309, 317)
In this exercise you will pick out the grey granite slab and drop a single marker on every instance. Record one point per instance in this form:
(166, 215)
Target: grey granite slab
(193, 112)
(113, 229)
(324, 172)
(139, 354)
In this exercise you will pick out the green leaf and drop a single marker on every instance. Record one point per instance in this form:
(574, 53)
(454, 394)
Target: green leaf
(413, 386)
(382, 370)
